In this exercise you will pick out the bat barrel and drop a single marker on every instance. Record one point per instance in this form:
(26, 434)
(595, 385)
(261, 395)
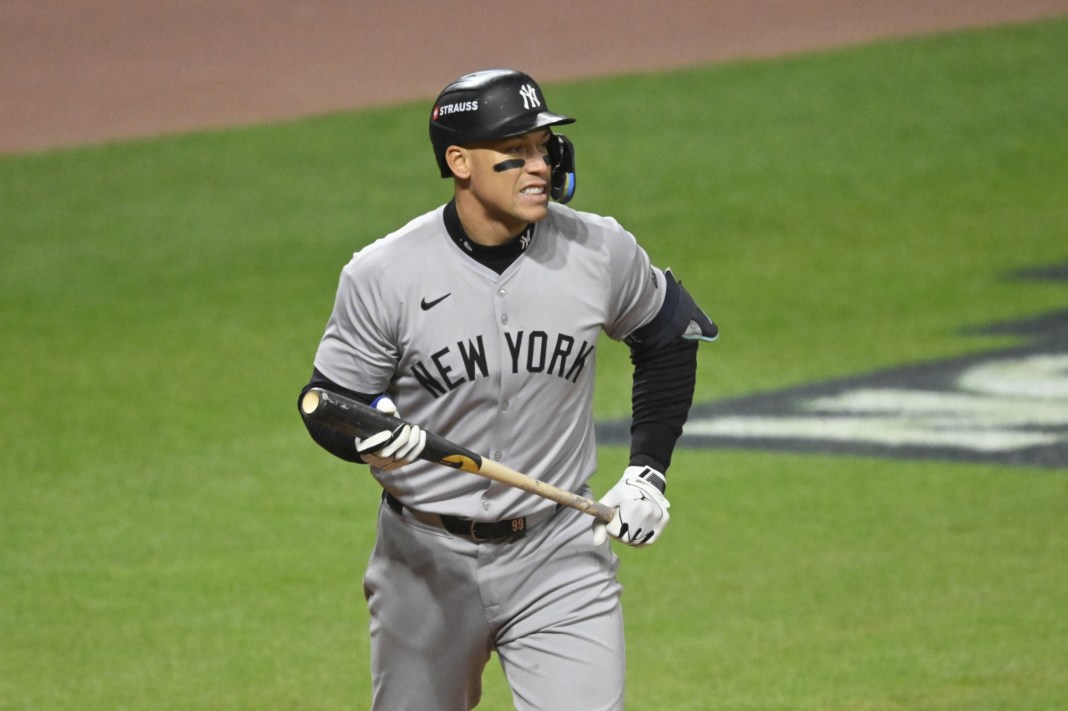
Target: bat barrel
(356, 419)
(344, 414)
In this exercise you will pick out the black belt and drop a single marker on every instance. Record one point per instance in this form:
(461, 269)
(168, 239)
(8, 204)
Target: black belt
(495, 531)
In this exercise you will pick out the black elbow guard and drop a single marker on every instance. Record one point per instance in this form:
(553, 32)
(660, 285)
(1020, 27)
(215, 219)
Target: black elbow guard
(679, 318)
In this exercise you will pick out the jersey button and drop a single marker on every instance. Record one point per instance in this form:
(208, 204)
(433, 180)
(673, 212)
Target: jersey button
(497, 455)
(501, 293)
(486, 504)
(504, 406)
(504, 319)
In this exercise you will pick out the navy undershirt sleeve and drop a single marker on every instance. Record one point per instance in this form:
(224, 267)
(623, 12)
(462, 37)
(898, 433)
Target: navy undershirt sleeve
(664, 381)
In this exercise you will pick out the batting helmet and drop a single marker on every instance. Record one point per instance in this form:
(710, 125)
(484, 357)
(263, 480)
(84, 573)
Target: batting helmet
(495, 103)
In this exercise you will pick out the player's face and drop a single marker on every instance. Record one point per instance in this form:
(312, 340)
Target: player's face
(509, 182)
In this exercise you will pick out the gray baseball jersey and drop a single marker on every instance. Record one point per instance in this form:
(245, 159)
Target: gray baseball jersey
(500, 363)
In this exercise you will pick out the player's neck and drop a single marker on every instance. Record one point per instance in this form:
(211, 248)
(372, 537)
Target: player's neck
(484, 228)
(499, 257)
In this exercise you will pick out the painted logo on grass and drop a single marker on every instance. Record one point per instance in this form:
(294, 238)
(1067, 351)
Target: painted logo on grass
(1008, 406)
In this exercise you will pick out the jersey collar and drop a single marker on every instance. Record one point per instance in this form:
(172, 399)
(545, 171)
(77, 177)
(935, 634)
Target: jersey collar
(496, 258)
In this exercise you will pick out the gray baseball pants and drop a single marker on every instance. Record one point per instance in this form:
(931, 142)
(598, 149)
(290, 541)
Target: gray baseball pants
(548, 603)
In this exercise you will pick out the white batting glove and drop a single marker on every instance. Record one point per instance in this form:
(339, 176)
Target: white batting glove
(389, 449)
(641, 509)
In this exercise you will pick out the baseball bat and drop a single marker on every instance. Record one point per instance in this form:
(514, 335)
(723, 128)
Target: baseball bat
(356, 419)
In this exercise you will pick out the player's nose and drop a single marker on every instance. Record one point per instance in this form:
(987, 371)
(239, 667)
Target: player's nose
(537, 163)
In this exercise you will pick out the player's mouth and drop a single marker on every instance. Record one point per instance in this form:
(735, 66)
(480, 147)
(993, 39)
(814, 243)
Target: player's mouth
(533, 191)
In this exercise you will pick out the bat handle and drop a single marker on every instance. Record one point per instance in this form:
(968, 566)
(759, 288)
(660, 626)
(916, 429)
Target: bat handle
(602, 513)
(498, 472)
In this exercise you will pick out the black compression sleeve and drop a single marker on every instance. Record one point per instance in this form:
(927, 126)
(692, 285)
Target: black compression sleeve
(340, 445)
(664, 381)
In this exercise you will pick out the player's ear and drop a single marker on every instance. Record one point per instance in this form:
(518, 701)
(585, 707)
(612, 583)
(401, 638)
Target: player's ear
(459, 161)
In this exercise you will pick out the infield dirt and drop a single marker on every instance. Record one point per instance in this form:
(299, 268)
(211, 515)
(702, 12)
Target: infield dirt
(77, 73)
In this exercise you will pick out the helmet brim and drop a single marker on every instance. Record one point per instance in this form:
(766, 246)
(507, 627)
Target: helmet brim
(526, 124)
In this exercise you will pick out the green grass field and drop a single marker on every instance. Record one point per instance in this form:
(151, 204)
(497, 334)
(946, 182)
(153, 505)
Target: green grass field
(172, 539)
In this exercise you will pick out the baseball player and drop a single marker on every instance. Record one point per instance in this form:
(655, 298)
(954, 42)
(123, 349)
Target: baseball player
(479, 320)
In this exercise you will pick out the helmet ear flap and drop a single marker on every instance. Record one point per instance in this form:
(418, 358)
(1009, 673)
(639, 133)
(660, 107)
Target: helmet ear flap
(562, 162)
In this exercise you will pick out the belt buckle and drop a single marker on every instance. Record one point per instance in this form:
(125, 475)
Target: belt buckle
(473, 535)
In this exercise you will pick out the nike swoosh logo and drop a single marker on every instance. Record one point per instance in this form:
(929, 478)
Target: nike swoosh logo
(427, 305)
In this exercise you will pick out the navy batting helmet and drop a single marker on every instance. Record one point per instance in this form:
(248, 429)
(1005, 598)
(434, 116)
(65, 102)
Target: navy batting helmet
(494, 103)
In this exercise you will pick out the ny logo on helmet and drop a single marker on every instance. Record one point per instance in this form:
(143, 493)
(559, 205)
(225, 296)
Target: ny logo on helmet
(530, 96)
